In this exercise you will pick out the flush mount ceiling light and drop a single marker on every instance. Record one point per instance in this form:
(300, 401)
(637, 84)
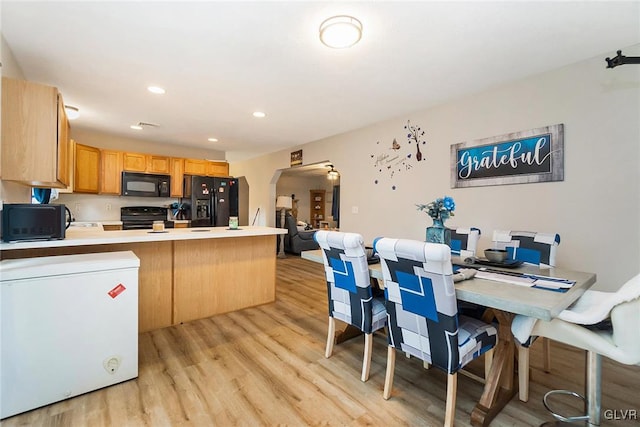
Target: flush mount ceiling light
(72, 112)
(156, 89)
(212, 139)
(332, 174)
(259, 114)
(339, 32)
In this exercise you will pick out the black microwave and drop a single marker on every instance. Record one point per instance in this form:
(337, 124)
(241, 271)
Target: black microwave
(22, 221)
(145, 185)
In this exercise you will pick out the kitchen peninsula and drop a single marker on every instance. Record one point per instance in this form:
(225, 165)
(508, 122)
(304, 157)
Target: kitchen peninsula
(185, 273)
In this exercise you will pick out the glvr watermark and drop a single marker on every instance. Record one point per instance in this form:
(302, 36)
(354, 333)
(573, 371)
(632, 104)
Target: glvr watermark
(620, 414)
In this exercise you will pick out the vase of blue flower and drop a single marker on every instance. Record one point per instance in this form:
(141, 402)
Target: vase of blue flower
(439, 210)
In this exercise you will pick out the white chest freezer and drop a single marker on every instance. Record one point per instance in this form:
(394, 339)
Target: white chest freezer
(69, 325)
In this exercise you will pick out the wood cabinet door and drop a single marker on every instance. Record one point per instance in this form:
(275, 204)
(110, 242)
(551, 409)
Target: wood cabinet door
(134, 162)
(195, 167)
(30, 133)
(177, 176)
(86, 178)
(110, 172)
(217, 169)
(63, 169)
(158, 164)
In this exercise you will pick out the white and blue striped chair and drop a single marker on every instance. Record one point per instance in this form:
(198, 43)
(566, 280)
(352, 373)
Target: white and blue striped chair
(464, 241)
(536, 249)
(351, 298)
(422, 312)
(528, 246)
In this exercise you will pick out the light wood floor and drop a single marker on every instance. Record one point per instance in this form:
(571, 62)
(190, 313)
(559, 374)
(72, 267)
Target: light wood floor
(266, 366)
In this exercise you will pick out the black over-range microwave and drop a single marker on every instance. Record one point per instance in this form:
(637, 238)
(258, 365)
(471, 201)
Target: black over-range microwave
(145, 185)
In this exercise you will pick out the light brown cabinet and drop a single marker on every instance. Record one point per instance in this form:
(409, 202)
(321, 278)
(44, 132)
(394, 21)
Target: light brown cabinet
(316, 207)
(100, 170)
(158, 164)
(205, 168)
(134, 162)
(35, 134)
(87, 169)
(138, 162)
(217, 169)
(110, 171)
(195, 167)
(177, 176)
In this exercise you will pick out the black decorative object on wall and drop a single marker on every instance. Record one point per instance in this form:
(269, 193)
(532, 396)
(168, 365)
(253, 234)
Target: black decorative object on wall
(621, 60)
(398, 157)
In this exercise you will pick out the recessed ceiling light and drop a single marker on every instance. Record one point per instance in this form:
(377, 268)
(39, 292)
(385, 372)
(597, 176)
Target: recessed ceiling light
(72, 112)
(136, 127)
(340, 32)
(156, 89)
(259, 114)
(212, 139)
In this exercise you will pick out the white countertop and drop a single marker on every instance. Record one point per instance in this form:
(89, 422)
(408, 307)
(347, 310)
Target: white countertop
(75, 237)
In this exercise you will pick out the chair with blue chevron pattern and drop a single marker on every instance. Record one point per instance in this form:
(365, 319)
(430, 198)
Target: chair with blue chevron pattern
(422, 313)
(349, 288)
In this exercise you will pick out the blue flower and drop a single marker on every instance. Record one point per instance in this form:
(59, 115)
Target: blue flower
(440, 209)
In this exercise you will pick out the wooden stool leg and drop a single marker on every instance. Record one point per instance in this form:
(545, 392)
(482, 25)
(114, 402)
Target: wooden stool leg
(391, 365)
(546, 350)
(452, 387)
(331, 337)
(366, 361)
(523, 373)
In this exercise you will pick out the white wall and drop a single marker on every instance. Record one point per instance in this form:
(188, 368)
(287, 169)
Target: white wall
(596, 209)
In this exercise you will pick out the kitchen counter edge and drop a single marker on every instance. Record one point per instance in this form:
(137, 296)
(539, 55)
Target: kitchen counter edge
(136, 236)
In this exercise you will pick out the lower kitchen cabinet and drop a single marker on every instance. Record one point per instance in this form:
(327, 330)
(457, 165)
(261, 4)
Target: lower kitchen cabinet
(214, 276)
(183, 280)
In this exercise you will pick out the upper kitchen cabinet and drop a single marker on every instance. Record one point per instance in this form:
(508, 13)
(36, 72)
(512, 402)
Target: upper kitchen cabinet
(177, 176)
(195, 167)
(134, 162)
(110, 171)
(158, 164)
(217, 168)
(87, 170)
(205, 168)
(35, 135)
(137, 162)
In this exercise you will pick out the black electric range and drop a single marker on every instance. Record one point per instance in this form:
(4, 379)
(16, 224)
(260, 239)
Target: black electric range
(142, 217)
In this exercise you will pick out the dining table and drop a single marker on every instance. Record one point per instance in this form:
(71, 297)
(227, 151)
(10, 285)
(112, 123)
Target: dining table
(505, 300)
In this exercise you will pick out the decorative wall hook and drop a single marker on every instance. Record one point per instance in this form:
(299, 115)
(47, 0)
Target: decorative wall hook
(621, 60)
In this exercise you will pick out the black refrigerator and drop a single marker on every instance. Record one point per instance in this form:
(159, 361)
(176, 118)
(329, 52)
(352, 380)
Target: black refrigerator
(212, 200)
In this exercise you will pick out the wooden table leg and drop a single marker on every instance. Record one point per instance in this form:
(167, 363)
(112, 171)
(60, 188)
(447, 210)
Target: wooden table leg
(500, 386)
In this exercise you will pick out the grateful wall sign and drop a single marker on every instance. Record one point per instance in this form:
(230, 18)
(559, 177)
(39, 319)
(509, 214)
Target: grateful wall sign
(535, 155)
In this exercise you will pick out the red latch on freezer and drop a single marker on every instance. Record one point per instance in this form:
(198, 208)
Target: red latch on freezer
(117, 290)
